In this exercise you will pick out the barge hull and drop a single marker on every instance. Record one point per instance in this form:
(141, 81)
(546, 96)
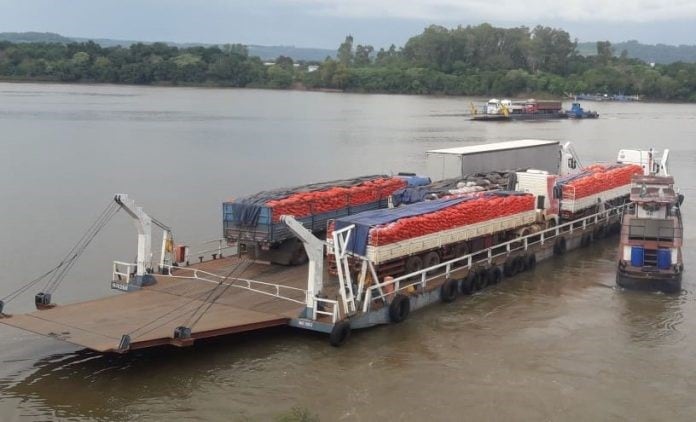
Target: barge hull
(650, 282)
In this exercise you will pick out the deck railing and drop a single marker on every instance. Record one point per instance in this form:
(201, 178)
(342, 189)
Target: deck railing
(271, 289)
(323, 302)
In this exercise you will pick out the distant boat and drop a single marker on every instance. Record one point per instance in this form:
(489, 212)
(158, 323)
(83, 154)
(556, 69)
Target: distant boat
(577, 112)
(506, 110)
(604, 97)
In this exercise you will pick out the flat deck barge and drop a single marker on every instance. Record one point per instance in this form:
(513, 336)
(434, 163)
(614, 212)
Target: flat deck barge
(231, 295)
(150, 316)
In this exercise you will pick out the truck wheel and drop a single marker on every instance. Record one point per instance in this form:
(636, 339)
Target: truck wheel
(399, 308)
(414, 263)
(559, 248)
(430, 259)
(299, 257)
(448, 290)
(461, 249)
(339, 334)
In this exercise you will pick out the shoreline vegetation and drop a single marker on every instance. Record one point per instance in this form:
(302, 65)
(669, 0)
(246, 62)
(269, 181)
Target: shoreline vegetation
(480, 61)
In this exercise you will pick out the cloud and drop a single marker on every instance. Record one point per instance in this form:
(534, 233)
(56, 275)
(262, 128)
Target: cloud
(639, 11)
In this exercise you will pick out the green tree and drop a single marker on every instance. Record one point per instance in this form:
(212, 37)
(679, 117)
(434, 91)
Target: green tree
(605, 52)
(550, 50)
(285, 62)
(362, 55)
(279, 77)
(345, 51)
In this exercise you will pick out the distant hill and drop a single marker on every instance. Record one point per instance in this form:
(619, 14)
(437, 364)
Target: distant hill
(659, 53)
(297, 53)
(18, 37)
(265, 52)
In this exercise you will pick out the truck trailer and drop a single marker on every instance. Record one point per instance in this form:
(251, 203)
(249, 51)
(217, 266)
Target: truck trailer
(512, 155)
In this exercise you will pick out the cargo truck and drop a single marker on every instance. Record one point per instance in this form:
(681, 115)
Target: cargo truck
(550, 201)
(421, 235)
(253, 223)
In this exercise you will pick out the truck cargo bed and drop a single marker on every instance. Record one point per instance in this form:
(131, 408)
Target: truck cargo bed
(379, 254)
(268, 231)
(571, 205)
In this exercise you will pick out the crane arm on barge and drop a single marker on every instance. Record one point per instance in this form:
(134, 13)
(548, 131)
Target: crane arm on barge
(143, 223)
(315, 252)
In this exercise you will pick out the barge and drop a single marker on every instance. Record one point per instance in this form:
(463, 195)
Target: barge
(650, 257)
(177, 301)
(507, 110)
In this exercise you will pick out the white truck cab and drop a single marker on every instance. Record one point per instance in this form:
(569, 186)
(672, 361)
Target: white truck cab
(651, 160)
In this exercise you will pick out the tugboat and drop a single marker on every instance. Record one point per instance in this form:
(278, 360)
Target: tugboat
(650, 255)
(577, 112)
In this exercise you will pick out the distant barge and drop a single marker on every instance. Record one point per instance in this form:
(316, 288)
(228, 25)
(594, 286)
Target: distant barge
(176, 301)
(506, 110)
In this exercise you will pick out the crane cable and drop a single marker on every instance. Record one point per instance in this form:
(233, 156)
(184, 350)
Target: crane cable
(190, 324)
(79, 248)
(57, 274)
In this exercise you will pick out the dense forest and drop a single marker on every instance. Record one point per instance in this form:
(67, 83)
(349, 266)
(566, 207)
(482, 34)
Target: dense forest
(471, 60)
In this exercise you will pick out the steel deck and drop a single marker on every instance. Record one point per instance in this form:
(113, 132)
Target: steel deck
(150, 315)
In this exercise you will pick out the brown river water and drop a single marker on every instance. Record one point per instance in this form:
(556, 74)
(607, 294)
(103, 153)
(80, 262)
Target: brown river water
(559, 343)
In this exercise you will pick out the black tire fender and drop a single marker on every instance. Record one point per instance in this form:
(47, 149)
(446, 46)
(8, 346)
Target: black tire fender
(530, 262)
(449, 290)
(399, 308)
(481, 279)
(468, 284)
(559, 248)
(495, 275)
(520, 264)
(600, 232)
(509, 267)
(340, 333)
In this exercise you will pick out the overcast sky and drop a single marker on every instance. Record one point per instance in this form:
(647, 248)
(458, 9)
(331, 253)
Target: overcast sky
(324, 23)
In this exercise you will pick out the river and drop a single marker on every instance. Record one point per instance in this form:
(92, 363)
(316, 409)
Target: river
(559, 343)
